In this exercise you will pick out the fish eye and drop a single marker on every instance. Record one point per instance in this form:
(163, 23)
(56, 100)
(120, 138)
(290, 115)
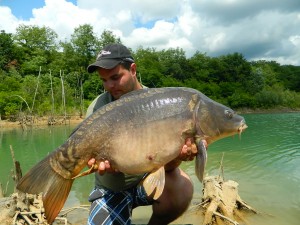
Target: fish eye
(229, 113)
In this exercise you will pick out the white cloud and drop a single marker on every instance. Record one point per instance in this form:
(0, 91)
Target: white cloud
(215, 42)
(259, 29)
(295, 40)
(157, 36)
(8, 21)
(63, 17)
(188, 21)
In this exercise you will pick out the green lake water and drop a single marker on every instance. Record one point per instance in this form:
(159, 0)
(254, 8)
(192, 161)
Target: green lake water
(265, 162)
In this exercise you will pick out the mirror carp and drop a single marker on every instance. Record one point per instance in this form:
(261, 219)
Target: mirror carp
(138, 133)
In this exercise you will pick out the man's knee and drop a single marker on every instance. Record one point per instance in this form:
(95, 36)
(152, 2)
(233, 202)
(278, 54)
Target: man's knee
(180, 183)
(178, 192)
(176, 198)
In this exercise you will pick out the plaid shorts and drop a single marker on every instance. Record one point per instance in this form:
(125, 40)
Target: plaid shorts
(115, 208)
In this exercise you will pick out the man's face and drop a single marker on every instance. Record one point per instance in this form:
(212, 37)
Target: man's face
(118, 80)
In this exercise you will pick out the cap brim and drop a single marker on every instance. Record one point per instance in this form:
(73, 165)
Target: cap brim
(103, 63)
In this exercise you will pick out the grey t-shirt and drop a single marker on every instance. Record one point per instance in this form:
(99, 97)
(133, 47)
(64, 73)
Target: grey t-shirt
(112, 181)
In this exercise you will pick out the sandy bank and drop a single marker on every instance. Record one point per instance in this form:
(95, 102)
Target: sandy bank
(41, 121)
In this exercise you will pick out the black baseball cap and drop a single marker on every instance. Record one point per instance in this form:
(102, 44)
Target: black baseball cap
(110, 56)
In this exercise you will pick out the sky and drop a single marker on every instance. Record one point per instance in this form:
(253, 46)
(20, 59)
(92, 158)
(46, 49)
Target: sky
(258, 29)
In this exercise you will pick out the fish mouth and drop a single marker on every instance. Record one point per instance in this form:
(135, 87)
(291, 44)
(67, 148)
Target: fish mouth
(242, 127)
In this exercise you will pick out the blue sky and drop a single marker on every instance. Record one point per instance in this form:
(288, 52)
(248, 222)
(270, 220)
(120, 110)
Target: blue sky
(258, 29)
(22, 9)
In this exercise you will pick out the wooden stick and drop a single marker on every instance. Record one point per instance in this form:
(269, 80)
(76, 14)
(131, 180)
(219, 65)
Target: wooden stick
(222, 168)
(27, 219)
(6, 188)
(1, 191)
(17, 173)
(12, 154)
(63, 219)
(66, 211)
(226, 218)
(15, 217)
(36, 89)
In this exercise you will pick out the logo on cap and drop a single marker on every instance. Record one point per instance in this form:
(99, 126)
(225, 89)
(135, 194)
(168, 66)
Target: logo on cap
(102, 53)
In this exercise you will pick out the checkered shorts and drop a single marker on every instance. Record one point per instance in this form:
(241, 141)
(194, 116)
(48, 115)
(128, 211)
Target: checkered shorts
(115, 208)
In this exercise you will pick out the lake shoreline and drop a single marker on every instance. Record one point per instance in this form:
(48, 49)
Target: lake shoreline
(42, 121)
(265, 111)
(74, 120)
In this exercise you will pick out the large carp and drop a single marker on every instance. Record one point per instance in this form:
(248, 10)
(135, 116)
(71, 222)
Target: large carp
(139, 133)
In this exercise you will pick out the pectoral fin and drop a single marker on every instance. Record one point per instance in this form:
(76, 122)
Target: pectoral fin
(200, 161)
(154, 183)
(87, 172)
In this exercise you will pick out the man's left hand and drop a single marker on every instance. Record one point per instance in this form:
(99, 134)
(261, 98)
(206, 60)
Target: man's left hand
(187, 153)
(189, 150)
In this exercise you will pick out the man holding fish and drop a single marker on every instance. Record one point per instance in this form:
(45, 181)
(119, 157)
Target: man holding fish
(144, 133)
(115, 193)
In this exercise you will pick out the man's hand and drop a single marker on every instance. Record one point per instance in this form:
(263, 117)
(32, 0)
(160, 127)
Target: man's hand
(102, 167)
(187, 153)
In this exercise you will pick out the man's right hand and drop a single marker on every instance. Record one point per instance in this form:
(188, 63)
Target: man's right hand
(101, 167)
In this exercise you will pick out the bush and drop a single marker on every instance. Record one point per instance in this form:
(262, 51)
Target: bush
(11, 109)
(241, 100)
(291, 99)
(268, 99)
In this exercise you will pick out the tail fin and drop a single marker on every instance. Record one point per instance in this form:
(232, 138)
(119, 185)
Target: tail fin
(55, 188)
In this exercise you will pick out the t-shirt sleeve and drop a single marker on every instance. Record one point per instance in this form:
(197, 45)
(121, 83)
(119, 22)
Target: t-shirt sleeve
(98, 102)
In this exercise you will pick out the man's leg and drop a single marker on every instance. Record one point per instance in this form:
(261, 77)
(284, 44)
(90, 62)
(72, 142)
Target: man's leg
(175, 199)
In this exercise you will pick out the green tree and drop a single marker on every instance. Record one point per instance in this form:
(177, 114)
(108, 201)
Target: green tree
(174, 63)
(107, 37)
(67, 60)
(229, 79)
(216, 69)
(236, 68)
(269, 97)
(10, 86)
(92, 87)
(9, 83)
(6, 51)
(168, 81)
(198, 67)
(268, 70)
(84, 43)
(290, 77)
(255, 82)
(32, 37)
(149, 67)
(36, 46)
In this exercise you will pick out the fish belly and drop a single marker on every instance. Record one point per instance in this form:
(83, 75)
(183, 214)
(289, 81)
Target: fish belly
(148, 147)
